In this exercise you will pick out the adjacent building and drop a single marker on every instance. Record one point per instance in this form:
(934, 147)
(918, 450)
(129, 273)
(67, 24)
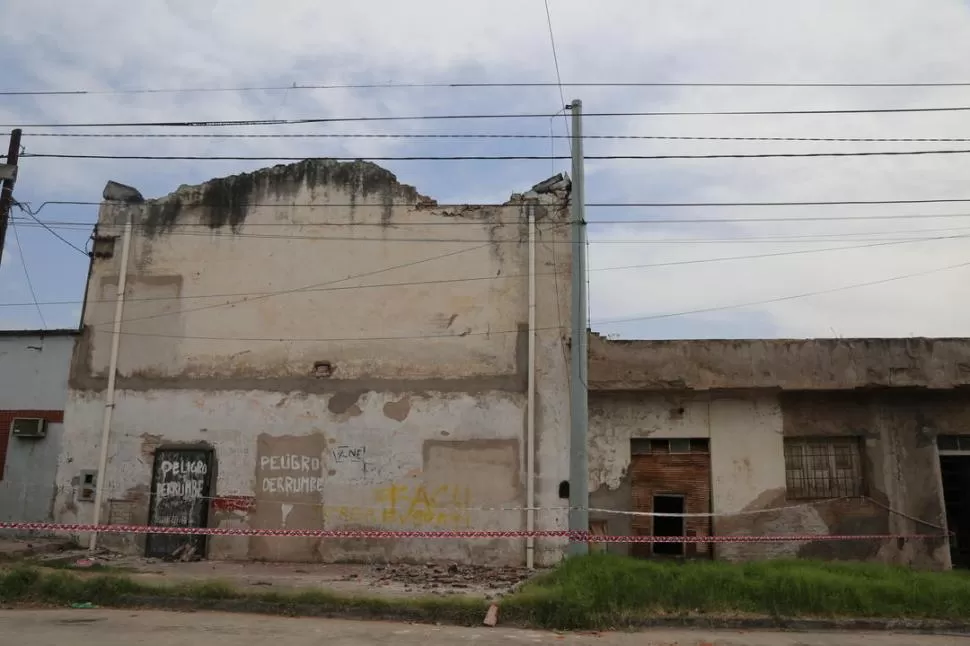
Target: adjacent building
(796, 437)
(319, 346)
(34, 366)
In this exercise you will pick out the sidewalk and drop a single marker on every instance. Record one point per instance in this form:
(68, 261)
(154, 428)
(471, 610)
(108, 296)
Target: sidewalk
(397, 580)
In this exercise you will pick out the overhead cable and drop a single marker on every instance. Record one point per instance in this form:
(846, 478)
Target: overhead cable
(356, 135)
(454, 117)
(871, 153)
(484, 84)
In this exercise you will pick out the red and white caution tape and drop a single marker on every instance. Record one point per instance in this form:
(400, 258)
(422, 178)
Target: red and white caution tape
(357, 533)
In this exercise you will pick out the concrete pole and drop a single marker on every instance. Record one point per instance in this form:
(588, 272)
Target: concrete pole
(109, 400)
(578, 404)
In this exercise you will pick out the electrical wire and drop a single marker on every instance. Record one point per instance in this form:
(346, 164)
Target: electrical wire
(445, 85)
(26, 209)
(207, 232)
(352, 135)
(601, 322)
(30, 284)
(329, 283)
(654, 205)
(779, 299)
(858, 153)
(555, 59)
(666, 240)
(366, 274)
(454, 117)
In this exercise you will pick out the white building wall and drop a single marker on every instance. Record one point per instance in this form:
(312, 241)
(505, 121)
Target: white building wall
(422, 322)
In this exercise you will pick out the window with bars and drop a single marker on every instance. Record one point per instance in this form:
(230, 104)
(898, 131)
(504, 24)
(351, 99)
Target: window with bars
(829, 467)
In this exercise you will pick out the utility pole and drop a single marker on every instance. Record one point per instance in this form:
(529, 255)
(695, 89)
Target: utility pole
(578, 403)
(8, 172)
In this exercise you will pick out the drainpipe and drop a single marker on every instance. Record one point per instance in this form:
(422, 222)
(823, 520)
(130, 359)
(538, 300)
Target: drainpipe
(109, 399)
(530, 541)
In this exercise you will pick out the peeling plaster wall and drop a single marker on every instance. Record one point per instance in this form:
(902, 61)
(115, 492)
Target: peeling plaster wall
(786, 364)
(33, 377)
(747, 431)
(282, 375)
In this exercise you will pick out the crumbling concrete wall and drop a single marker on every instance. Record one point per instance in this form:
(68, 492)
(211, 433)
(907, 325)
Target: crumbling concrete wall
(328, 312)
(749, 496)
(786, 364)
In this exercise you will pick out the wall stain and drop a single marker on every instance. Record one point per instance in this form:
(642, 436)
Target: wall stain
(398, 410)
(345, 403)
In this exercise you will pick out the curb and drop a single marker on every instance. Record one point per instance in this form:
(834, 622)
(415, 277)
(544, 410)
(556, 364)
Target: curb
(421, 615)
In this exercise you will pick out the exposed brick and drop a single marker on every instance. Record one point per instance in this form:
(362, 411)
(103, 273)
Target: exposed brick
(685, 474)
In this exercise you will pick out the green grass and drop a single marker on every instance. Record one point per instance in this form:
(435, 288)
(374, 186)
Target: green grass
(603, 590)
(594, 592)
(27, 584)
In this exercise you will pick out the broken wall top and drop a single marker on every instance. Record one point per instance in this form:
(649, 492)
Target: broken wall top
(785, 364)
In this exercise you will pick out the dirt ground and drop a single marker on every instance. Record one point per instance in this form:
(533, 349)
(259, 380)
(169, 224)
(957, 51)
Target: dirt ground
(352, 579)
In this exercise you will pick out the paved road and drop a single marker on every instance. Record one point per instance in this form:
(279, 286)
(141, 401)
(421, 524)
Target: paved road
(151, 628)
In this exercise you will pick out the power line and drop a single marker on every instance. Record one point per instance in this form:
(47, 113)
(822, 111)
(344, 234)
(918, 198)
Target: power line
(30, 284)
(779, 299)
(445, 85)
(656, 205)
(352, 135)
(517, 241)
(555, 59)
(454, 117)
(447, 281)
(315, 285)
(202, 227)
(26, 209)
(559, 327)
(871, 153)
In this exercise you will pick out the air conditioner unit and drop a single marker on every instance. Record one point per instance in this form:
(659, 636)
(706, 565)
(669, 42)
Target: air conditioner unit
(28, 427)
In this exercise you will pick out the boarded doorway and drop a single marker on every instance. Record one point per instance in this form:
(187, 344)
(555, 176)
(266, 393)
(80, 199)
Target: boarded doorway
(181, 484)
(671, 476)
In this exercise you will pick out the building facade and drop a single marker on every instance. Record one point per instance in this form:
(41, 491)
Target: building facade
(319, 346)
(829, 436)
(34, 366)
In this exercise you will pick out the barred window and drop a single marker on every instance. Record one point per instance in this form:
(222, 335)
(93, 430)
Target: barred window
(828, 467)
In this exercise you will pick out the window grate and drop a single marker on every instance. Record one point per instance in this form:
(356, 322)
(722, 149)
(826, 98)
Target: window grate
(823, 468)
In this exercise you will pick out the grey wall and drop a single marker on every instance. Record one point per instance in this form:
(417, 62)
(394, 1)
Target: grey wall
(33, 376)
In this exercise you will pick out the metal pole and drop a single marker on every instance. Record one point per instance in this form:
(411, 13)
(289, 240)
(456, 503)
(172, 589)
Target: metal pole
(109, 398)
(6, 192)
(578, 404)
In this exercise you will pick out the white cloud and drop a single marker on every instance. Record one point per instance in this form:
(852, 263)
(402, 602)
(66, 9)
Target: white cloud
(102, 44)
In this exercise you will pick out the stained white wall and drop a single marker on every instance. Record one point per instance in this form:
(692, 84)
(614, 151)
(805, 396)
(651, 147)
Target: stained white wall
(406, 301)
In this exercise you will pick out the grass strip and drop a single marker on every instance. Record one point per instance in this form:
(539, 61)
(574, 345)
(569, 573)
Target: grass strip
(595, 592)
(26, 584)
(604, 591)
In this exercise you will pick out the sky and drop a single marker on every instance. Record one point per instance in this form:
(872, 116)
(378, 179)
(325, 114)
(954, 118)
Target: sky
(810, 278)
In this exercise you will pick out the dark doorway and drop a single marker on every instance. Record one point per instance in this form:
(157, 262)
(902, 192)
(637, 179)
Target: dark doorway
(668, 525)
(955, 470)
(181, 480)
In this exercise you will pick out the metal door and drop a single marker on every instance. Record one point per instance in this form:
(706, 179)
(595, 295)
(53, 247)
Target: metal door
(181, 482)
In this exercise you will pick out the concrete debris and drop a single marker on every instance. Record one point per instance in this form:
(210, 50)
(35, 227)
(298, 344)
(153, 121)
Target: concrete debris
(438, 577)
(118, 192)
